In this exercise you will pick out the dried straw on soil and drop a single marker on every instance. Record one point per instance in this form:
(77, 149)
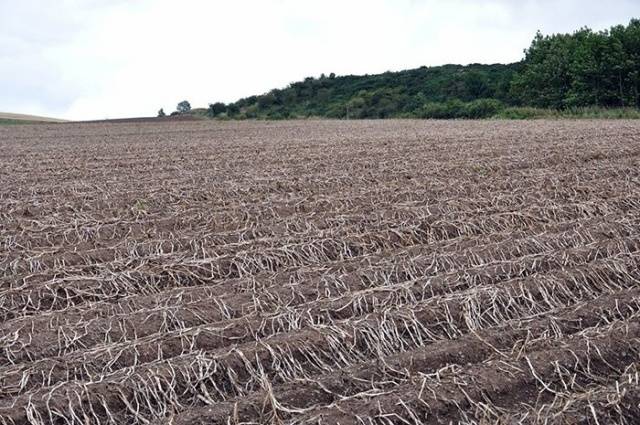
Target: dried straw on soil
(320, 272)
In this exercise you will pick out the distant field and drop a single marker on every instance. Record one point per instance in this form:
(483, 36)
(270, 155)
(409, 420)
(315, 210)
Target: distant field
(9, 118)
(142, 120)
(320, 272)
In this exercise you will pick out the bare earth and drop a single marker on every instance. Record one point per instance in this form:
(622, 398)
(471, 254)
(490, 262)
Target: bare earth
(320, 272)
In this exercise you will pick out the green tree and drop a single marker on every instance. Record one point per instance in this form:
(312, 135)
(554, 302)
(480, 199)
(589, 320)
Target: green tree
(233, 109)
(183, 107)
(585, 68)
(477, 85)
(216, 109)
(267, 100)
(545, 79)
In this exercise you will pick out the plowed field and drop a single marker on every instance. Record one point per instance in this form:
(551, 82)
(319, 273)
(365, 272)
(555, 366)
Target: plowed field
(320, 272)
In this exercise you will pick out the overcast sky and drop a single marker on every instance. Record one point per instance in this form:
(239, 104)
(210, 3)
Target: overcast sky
(93, 59)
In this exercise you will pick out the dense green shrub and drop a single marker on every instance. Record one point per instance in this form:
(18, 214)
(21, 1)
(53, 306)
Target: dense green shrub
(452, 109)
(216, 109)
(483, 108)
(443, 110)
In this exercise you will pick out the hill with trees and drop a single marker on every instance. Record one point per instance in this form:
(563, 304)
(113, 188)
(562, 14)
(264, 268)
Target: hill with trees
(559, 72)
(392, 94)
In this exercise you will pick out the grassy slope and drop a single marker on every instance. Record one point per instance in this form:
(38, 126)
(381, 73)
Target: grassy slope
(10, 118)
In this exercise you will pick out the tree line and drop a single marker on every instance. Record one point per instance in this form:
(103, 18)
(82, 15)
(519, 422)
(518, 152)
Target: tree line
(585, 68)
(561, 71)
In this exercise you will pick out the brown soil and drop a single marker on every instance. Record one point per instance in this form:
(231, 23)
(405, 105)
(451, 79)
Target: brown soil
(377, 272)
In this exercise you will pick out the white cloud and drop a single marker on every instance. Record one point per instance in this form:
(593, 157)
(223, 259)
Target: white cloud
(96, 59)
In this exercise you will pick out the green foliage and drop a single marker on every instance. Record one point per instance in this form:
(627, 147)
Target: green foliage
(590, 112)
(392, 94)
(585, 68)
(483, 108)
(161, 113)
(453, 109)
(562, 73)
(216, 109)
(233, 110)
(443, 110)
(183, 107)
